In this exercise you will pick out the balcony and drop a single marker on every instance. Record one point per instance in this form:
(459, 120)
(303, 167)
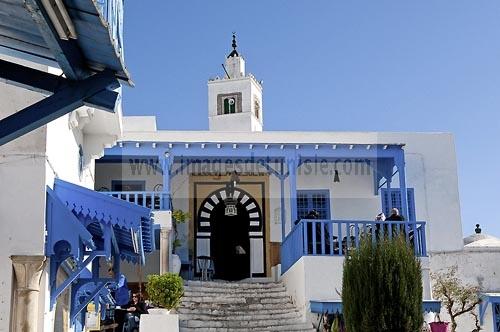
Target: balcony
(336, 237)
(154, 200)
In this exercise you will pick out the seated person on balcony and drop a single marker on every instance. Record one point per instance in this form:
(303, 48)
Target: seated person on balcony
(379, 219)
(135, 309)
(313, 214)
(395, 216)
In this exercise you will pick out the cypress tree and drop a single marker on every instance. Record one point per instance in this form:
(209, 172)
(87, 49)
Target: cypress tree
(382, 287)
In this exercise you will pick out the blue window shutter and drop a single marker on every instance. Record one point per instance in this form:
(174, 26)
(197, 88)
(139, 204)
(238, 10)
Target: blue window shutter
(395, 196)
(318, 200)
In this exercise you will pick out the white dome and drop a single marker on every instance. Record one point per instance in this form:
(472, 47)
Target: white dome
(478, 237)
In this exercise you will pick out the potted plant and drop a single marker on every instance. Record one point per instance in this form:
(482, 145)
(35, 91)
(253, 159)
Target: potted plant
(165, 291)
(178, 217)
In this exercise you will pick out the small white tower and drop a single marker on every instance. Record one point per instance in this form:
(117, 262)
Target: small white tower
(235, 101)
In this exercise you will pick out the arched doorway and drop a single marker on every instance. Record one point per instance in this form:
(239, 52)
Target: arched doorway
(233, 242)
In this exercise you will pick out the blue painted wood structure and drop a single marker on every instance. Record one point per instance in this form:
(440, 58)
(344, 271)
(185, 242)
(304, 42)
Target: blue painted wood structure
(314, 237)
(391, 198)
(332, 307)
(494, 300)
(91, 60)
(83, 225)
(382, 158)
(283, 160)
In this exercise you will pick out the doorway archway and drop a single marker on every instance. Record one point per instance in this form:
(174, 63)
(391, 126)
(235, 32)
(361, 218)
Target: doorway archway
(233, 242)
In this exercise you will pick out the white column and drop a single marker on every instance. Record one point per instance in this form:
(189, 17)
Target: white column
(28, 272)
(164, 250)
(164, 219)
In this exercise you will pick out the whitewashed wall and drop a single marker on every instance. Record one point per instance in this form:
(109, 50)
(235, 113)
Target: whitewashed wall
(244, 121)
(27, 166)
(22, 199)
(478, 267)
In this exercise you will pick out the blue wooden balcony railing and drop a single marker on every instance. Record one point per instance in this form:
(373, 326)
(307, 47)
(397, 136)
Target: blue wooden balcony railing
(155, 200)
(335, 237)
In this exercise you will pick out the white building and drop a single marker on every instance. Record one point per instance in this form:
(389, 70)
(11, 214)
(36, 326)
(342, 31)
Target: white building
(347, 177)
(59, 236)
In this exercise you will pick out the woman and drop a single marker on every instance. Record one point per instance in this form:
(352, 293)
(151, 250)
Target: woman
(135, 309)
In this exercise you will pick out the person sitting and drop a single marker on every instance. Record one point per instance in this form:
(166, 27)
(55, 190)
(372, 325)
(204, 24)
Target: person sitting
(379, 218)
(135, 308)
(395, 216)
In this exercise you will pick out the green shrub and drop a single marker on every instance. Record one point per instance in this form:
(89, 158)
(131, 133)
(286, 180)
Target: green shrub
(165, 290)
(382, 288)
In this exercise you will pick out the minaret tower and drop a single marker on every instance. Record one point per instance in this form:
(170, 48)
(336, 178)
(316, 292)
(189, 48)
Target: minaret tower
(235, 101)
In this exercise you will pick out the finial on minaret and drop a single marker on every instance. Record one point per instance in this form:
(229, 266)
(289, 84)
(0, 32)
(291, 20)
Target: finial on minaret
(234, 52)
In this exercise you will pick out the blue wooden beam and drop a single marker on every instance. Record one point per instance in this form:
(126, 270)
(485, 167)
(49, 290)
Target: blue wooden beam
(56, 291)
(66, 100)
(282, 202)
(77, 308)
(66, 52)
(253, 151)
(292, 181)
(400, 164)
(42, 82)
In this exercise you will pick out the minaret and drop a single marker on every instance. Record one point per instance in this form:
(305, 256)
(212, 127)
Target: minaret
(235, 101)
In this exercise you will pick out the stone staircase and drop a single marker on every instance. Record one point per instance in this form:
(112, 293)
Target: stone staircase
(238, 306)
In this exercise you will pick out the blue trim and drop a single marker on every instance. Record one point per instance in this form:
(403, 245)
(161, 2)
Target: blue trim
(397, 192)
(66, 52)
(79, 219)
(495, 307)
(46, 83)
(320, 307)
(60, 103)
(309, 193)
(337, 237)
(253, 151)
(292, 166)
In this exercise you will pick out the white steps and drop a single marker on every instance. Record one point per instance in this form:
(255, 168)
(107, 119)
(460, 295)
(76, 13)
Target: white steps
(238, 306)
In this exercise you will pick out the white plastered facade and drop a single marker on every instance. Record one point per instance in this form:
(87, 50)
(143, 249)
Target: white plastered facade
(28, 165)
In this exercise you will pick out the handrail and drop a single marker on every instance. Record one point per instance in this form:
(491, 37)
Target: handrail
(319, 237)
(154, 200)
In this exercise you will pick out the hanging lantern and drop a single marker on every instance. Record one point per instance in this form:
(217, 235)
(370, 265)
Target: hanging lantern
(336, 177)
(230, 209)
(230, 202)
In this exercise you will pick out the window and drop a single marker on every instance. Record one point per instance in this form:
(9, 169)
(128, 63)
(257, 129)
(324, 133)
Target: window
(229, 105)
(128, 185)
(396, 201)
(318, 200)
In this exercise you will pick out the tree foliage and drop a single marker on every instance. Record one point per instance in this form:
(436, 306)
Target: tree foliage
(382, 288)
(457, 298)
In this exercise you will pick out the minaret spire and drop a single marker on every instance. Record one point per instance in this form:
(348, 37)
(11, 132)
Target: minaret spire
(234, 46)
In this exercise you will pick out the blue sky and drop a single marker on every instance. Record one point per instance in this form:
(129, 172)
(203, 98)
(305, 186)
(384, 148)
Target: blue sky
(336, 66)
